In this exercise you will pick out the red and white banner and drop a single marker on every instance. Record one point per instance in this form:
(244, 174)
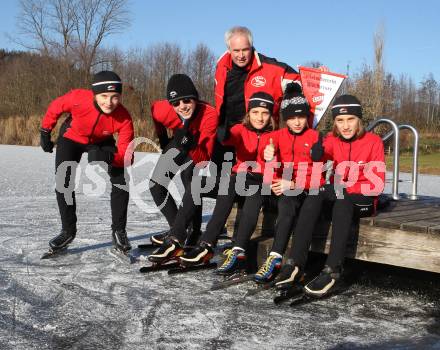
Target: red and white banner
(319, 88)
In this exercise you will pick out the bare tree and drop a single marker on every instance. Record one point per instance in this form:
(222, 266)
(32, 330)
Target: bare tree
(428, 98)
(71, 29)
(201, 67)
(378, 73)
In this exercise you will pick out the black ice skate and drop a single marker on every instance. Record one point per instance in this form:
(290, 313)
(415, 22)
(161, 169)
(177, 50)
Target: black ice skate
(200, 254)
(59, 243)
(169, 250)
(324, 283)
(120, 240)
(289, 276)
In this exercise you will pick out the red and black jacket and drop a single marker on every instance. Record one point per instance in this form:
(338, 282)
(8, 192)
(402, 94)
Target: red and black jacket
(265, 74)
(203, 126)
(293, 150)
(89, 125)
(367, 156)
(249, 147)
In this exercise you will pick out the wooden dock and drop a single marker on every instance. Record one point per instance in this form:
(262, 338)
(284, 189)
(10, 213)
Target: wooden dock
(406, 233)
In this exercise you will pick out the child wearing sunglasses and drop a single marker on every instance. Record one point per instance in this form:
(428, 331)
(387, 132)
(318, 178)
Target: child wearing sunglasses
(193, 123)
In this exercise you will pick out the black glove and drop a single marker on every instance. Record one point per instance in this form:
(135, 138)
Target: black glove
(45, 142)
(97, 154)
(317, 150)
(164, 141)
(183, 139)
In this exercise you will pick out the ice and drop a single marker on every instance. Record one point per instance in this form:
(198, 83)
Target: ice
(87, 299)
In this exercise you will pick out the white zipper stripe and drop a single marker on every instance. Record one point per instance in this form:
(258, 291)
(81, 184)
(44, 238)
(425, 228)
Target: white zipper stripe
(349, 105)
(260, 99)
(107, 82)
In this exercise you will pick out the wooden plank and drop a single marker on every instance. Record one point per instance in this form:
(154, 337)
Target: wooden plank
(393, 247)
(410, 204)
(395, 214)
(434, 229)
(367, 221)
(420, 225)
(397, 222)
(402, 208)
(414, 215)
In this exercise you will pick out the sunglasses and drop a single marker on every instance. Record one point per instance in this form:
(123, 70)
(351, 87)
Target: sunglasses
(185, 101)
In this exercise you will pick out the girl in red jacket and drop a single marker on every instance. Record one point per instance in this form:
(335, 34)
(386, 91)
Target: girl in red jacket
(249, 139)
(292, 145)
(358, 158)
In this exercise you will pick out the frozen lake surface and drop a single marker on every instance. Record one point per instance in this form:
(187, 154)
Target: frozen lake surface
(89, 300)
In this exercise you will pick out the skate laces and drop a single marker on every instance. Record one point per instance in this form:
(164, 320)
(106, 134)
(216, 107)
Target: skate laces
(230, 257)
(267, 266)
(227, 251)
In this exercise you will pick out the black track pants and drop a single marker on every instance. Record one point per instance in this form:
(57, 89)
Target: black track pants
(70, 152)
(249, 216)
(165, 170)
(288, 207)
(343, 212)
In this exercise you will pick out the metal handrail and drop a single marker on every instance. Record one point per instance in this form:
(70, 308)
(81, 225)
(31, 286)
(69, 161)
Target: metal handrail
(415, 174)
(371, 126)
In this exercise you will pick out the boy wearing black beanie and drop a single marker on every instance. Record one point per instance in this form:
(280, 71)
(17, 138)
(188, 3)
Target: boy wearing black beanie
(95, 116)
(193, 124)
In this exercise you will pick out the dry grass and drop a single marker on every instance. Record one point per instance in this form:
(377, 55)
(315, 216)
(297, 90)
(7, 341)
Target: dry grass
(25, 131)
(20, 130)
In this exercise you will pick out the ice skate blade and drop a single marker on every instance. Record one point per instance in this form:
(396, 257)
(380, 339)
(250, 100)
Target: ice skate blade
(158, 267)
(53, 253)
(189, 268)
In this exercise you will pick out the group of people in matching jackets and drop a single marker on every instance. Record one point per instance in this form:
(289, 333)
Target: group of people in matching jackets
(260, 146)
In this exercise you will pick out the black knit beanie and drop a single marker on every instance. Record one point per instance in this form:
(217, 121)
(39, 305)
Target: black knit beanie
(261, 99)
(106, 81)
(346, 104)
(180, 86)
(294, 103)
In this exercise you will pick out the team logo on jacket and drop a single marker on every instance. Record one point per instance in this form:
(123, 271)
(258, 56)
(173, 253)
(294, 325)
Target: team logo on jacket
(258, 81)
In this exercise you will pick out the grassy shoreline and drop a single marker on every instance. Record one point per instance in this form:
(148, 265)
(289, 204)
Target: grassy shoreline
(428, 163)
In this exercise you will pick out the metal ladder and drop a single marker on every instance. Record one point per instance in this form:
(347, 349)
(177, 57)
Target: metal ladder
(395, 133)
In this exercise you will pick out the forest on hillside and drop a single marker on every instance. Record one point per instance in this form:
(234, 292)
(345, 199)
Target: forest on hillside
(64, 47)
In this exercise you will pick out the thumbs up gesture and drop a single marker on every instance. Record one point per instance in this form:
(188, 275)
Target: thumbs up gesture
(269, 151)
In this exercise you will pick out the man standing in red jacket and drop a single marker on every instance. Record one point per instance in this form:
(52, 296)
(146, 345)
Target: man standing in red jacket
(242, 71)
(95, 116)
